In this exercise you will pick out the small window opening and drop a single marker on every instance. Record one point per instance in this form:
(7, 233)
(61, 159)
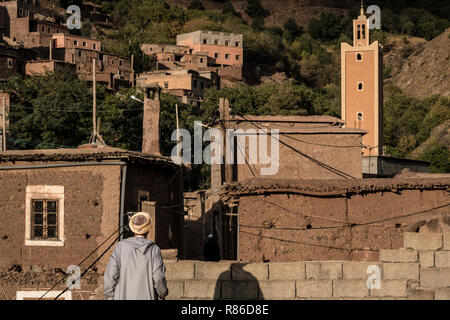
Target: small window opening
(360, 116)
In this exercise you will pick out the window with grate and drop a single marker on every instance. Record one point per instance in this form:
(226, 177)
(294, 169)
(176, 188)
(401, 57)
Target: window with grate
(44, 219)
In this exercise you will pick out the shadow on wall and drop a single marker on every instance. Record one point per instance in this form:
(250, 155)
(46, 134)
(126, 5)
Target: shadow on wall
(237, 284)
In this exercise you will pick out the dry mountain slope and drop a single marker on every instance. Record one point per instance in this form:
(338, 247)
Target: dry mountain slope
(427, 70)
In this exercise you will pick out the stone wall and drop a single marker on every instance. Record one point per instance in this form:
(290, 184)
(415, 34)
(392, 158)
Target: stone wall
(420, 270)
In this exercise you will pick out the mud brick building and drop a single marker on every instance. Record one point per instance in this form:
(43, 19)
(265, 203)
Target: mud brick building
(29, 24)
(78, 54)
(41, 66)
(13, 60)
(225, 50)
(85, 195)
(310, 147)
(218, 52)
(188, 85)
(59, 205)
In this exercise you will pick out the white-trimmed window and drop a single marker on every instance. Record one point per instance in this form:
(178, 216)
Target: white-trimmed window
(44, 216)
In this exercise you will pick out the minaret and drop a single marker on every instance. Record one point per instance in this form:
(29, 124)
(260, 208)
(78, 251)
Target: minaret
(362, 86)
(361, 30)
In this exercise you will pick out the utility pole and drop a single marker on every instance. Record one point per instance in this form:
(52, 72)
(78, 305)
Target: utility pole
(51, 50)
(224, 108)
(4, 123)
(178, 134)
(94, 104)
(132, 70)
(95, 137)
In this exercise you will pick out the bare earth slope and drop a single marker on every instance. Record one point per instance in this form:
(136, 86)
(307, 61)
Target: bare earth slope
(427, 70)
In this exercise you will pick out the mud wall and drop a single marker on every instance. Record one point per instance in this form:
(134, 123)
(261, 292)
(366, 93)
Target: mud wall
(308, 156)
(91, 211)
(288, 226)
(164, 187)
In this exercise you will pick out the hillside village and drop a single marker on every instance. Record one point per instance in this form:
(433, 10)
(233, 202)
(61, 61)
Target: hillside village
(336, 203)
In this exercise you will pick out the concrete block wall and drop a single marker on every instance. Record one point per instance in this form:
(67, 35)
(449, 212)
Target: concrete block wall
(420, 270)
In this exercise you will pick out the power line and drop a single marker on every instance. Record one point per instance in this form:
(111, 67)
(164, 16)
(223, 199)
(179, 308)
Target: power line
(78, 111)
(90, 254)
(35, 143)
(312, 159)
(347, 224)
(318, 144)
(92, 264)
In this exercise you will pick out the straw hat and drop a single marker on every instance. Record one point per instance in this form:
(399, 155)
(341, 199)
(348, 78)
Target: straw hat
(140, 223)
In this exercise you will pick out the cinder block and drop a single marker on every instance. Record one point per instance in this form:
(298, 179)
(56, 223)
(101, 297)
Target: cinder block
(435, 278)
(447, 241)
(420, 294)
(390, 288)
(179, 270)
(176, 289)
(350, 288)
(423, 241)
(314, 288)
(426, 259)
(213, 270)
(442, 294)
(202, 289)
(240, 289)
(251, 271)
(442, 259)
(356, 269)
(323, 270)
(277, 289)
(287, 271)
(400, 271)
(401, 255)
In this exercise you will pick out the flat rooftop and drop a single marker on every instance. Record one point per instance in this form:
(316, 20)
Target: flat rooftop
(81, 155)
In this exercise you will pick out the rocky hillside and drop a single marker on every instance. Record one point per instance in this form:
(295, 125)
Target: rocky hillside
(422, 69)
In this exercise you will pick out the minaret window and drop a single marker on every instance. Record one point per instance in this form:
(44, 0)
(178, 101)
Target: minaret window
(359, 57)
(360, 86)
(359, 32)
(360, 116)
(363, 31)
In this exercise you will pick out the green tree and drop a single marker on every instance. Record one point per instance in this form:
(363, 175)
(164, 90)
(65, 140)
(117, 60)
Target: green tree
(439, 156)
(50, 110)
(254, 9)
(196, 5)
(228, 8)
